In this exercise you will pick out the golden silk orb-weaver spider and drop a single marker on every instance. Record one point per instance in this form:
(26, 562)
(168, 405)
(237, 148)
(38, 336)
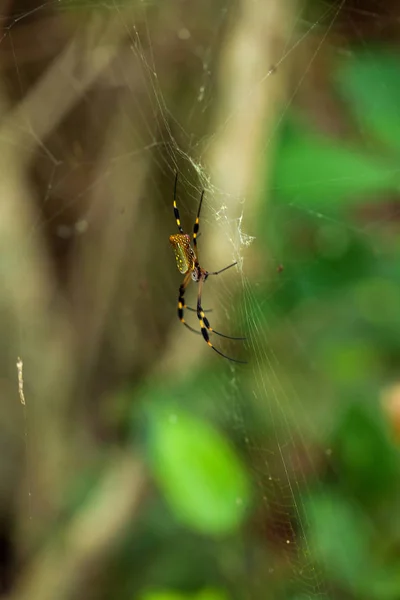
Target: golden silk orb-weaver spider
(188, 264)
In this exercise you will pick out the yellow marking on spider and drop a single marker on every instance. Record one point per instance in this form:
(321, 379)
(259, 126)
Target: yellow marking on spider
(180, 305)
(202, 324)
(209, 343)
(185, 257)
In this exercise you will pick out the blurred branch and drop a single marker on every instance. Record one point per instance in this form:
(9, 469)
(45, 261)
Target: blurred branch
(249, 87)
(20, 52)
(251, 81)
(67, 564)
(99, 258)
(64, 83)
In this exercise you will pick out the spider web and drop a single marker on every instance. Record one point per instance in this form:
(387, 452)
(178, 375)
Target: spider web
(277, 407)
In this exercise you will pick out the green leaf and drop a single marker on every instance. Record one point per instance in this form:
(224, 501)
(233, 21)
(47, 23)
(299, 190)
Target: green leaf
(347, 545)
(338, 538)
(316, 172)
(206, 594)
(199, 473)
(211, 594)
(370, 81)
(165, 595)
(383, 583)
(364, 455)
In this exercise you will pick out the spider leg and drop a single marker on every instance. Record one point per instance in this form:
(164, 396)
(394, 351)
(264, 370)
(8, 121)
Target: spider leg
(181, 302)
(196, 223)
(195, 309)
(191, 328)
(176, 211)
(205, 320)
(207, 324)
(221, 270)
(204, 332)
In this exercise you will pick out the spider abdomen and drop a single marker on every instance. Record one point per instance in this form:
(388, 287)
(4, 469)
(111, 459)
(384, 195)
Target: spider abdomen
(184, 255)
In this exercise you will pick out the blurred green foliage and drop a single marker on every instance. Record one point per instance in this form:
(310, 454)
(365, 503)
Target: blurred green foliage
(316, 173)
(370, 82)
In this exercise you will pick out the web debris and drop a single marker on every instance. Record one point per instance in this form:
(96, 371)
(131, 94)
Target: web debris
(20, 365)
(245, 238)
(238, 237)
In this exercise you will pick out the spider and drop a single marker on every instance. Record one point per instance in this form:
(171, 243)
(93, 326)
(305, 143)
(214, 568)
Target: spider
(188, 264)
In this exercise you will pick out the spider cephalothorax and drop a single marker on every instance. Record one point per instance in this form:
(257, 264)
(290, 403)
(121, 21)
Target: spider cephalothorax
(188, 264)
